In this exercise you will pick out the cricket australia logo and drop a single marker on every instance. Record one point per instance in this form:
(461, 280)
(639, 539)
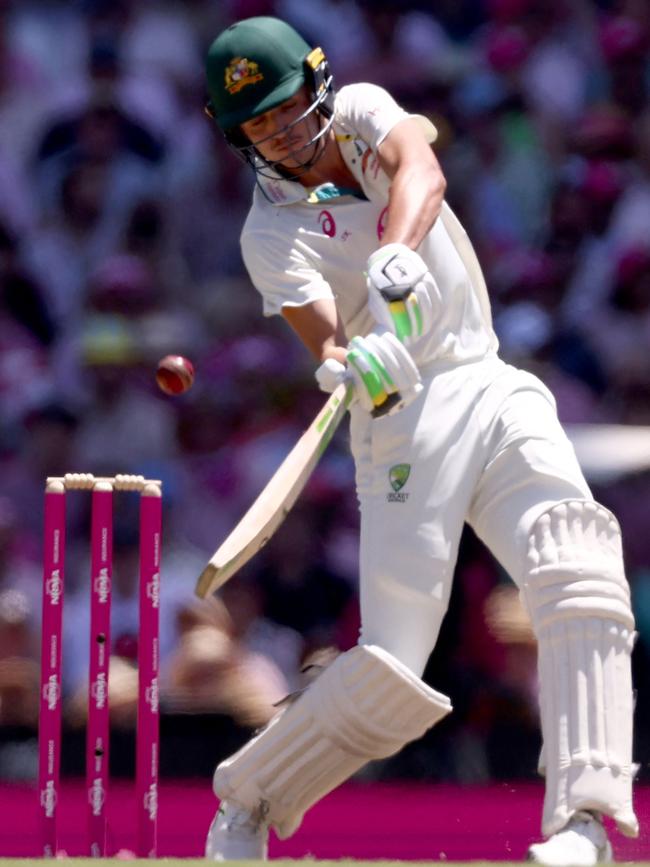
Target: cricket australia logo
(398, 477)
(240, 72)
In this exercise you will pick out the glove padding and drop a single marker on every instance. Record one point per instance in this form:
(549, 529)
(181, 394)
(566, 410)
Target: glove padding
(384, 375)
(402, 294)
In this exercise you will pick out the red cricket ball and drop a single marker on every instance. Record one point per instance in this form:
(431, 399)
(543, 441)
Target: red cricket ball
(175, 374)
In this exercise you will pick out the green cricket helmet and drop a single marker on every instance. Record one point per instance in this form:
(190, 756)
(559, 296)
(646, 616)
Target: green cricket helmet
(255, 65)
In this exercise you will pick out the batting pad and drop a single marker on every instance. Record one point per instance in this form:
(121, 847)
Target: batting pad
(579, 602)
(366, 705)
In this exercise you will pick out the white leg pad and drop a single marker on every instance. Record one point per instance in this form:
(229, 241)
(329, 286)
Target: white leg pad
(366, 705)
(579, 603)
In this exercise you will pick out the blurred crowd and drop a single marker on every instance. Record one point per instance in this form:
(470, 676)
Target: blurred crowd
(120, 211)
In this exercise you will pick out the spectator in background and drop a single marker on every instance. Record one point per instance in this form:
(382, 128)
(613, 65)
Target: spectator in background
(300, 591)
(46, 447)
(211, 670)
(71, 241)
(624, 41)
(19, 563)
(22, 89)
(21, 298)
(619, 331)
(102, 136)
(19, 687)
(631, 216)
(27, 333)
(217, 198)
(123, 416)
(255, 629)
(600, 184)
(148, 235)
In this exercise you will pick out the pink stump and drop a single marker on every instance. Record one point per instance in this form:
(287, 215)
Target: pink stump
(49, 729)
(98, 730)
(148, 732)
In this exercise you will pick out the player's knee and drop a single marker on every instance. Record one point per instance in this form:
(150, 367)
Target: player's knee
(574, 566)
(366, 705)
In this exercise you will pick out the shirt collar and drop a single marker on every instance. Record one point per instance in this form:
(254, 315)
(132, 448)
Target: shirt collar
(279, 190)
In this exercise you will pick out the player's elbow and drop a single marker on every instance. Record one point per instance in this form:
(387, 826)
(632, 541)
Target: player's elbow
(435, 182)
(440, 185)
(425, 183)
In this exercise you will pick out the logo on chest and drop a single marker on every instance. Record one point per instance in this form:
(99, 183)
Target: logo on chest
(327, 223)
(328, 226)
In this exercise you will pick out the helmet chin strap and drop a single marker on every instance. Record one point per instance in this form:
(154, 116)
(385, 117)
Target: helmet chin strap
(322, 108)
(276, 168)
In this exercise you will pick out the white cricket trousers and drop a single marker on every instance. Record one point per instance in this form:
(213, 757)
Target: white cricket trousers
(481, 444)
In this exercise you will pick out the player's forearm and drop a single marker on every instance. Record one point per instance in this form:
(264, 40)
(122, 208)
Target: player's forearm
(414, 204)
(319, 328)
(338, 353)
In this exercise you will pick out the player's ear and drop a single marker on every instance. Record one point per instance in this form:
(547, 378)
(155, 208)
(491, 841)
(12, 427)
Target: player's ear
(237, 137)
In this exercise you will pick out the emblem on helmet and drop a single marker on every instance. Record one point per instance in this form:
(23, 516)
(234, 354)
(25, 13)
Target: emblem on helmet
(240, 72)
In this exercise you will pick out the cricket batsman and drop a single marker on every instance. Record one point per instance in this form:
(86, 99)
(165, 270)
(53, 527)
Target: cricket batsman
(350, 239)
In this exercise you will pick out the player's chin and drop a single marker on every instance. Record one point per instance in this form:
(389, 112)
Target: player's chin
(290, 157)
(291, 165)
(299, 163)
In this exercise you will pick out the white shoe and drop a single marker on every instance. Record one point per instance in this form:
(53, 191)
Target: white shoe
(581, 843)
(237, 835)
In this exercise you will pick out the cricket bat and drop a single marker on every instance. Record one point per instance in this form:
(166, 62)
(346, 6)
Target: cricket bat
(276, 500)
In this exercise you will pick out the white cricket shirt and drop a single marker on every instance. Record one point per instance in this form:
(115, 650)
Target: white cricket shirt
(300, 245)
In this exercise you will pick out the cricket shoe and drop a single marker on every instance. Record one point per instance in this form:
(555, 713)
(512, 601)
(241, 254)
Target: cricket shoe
(581, 843)
(237, 835)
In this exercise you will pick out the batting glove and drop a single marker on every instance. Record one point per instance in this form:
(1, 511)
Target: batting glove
(382, 371)
(401, 292)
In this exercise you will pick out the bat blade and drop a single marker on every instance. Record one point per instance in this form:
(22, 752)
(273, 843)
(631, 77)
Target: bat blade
(276, 500)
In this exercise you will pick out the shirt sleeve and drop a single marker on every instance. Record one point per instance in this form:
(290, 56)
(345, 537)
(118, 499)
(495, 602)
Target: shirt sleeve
(283, 277)
(371, 113)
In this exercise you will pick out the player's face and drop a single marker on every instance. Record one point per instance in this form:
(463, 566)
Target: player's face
(280, 136)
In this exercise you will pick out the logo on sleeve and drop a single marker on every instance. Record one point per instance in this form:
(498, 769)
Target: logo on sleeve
(398, 476)
(370, 163)
(381, 222)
